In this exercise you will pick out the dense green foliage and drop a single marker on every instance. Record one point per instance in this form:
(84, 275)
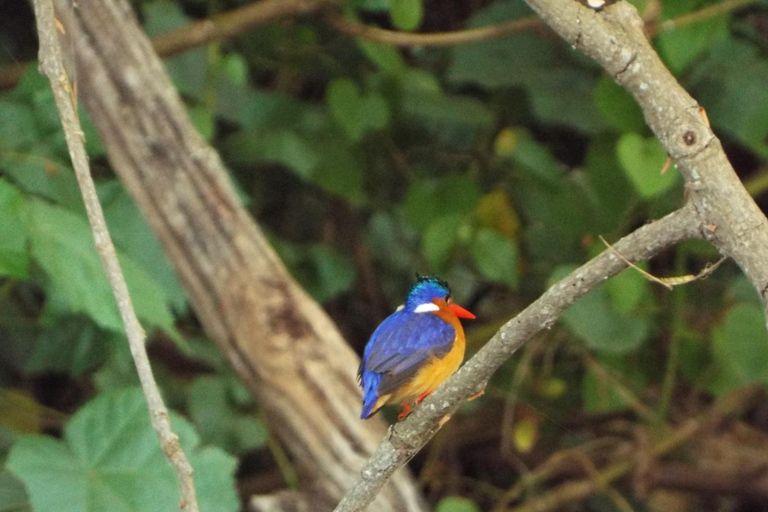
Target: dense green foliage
(495, 165)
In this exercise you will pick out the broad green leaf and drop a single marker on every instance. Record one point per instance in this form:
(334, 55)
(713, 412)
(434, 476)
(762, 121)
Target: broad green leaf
(741, 344)
(356, 113)
(613, 190)
(627, 289)
(235, 68)
(559, 91)
(642, 160)
(406, 14)
(594, 320)
(457, 121)
(440, 239)
(333, 273)
(736, 101)
(340, 168)
(18, 130)
(456, 504)
(44, 175)
(679, 46)
(13, 497)
(387, 58)
(533, 156)
(496, 257)
(71, 345)
(218, 421)
(110, 460)
(62, 244)
(502, 61)
(618, 107)
(14, 256)
(425, 201)
(281, 146)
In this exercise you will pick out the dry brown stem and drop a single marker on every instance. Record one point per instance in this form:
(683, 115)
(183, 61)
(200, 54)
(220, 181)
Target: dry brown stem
(51, 64)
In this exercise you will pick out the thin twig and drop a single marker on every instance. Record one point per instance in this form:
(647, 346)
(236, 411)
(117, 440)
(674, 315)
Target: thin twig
(396, 38)
(51, 65)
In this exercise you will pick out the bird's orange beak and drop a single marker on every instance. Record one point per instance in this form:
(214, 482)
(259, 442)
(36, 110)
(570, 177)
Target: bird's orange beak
(460, 311)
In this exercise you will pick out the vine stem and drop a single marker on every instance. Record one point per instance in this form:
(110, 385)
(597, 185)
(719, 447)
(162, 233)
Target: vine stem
(51, 65)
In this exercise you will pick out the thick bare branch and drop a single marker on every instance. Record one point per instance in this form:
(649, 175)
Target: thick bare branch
(614, 37)
(406, 438)
(282, 344)
(51, 64)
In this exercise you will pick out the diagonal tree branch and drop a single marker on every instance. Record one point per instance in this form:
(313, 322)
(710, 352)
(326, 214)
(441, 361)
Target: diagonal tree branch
(280, 341)
(405, 439)
(51, 64)
(718, 209)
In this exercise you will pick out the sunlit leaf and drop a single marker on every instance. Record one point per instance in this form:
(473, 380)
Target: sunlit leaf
(642, 160)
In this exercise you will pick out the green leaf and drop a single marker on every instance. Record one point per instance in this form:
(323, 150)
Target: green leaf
(333, 273)
(456, 504)
(440, 240)
(627, 289)
(406, 14)
(681, 45)
(502, 61)
(62, 244)
(642, 160)
(559, 90)
(135, 239)
(496, 257)
(110, 460)
(458, 121)
(217, 420)
(618, 107)
(17, 131)
(281, 146)
(386, 58)
(14, 256)
(602, 327)
(71, 345)
(14, 497)
(355, 112)
(41, 174)
(741, 344)
(736, 102)
(427, 200)
(534, 157)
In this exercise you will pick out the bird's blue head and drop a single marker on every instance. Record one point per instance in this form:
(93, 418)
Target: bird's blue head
(431, 295)
(426, 289)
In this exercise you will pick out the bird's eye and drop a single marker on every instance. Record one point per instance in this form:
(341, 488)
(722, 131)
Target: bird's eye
(448, 299)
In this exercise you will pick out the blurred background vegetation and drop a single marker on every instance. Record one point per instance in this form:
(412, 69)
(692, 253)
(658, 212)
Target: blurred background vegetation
(494, 164)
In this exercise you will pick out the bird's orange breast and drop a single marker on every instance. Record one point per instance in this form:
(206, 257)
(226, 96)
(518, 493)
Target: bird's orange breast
(435, 372)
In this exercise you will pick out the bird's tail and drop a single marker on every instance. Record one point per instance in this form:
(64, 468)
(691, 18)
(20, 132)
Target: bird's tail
(370, 383)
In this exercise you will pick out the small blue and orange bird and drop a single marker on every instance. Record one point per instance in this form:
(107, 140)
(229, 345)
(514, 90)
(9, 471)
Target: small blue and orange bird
(414, 349)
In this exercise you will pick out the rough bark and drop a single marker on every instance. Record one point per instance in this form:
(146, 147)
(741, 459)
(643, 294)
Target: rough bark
(279, 340)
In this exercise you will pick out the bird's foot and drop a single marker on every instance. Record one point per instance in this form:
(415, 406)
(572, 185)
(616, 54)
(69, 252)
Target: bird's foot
(443, 420)
(422, 397)
(476, 395)
(406, 411)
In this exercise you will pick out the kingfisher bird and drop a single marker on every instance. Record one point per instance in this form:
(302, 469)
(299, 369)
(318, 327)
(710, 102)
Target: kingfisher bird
(414, 349)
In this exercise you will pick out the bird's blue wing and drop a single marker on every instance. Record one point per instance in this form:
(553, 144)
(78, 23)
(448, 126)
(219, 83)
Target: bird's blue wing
(402, 344)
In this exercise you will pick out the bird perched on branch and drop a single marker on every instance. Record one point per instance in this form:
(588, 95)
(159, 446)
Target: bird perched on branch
(414, 349)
